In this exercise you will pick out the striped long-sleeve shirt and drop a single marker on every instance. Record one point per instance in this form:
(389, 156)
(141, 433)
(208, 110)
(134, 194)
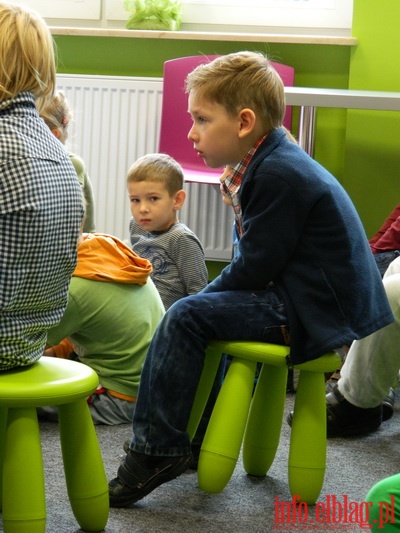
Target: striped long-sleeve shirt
(177, 257)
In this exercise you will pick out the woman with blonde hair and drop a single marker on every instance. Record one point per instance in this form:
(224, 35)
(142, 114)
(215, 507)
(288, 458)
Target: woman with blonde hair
(41, 201)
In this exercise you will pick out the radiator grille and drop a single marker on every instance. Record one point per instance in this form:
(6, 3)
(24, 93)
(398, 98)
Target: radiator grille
(116, 120)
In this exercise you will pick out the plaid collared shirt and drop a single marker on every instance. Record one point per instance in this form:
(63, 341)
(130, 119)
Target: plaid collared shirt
(231, 184)
(40, 215)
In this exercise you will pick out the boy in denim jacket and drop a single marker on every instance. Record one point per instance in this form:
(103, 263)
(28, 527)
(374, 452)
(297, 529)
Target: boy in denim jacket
(303, 272)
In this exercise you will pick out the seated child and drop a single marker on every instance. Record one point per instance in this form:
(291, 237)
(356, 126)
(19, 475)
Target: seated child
(155, 191)
(385, 244)
(112, 313)
(35, 264)
(57, 116)
(303, 267)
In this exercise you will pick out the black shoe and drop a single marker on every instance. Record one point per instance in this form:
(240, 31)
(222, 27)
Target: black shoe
(345, 419)
(140, 474)
(388, 405)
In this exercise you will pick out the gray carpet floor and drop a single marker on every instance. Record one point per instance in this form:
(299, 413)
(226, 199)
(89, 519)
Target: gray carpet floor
(247, 503)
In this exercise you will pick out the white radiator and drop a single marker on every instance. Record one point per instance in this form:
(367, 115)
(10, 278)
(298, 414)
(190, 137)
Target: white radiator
(115, 121)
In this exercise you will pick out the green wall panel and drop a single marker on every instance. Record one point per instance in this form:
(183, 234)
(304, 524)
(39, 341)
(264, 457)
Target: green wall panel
(372, 155)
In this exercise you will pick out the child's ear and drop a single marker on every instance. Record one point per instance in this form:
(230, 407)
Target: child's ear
(247, 120)
(179, 199)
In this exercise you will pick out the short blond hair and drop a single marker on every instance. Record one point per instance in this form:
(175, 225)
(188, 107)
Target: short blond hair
(27, 56)
(56, 114)
(160, 168)
(242, 80)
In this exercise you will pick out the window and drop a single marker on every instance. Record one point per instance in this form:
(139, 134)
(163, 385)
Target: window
(271, 13)
(278, 16)
(62, 9)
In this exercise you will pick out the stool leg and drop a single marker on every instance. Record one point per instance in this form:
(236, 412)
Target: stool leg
(3, 427)
(211, 363)
(83, 464)
(24, 504)
(264, 425)
(307, 456)
(224, 435)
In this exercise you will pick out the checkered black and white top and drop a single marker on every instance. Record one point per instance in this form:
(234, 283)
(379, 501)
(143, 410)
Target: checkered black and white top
(40, 216)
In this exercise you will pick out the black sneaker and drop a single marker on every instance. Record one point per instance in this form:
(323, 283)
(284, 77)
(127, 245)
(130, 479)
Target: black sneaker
(387, 404)
(344, 419)
(140, 474)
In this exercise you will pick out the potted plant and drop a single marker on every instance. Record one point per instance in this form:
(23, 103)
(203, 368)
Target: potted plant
(154, 14)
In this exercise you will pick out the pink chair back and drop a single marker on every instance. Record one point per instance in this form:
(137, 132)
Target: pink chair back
(176, 121)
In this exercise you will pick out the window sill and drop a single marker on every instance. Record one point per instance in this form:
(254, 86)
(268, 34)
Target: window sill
(206, 36)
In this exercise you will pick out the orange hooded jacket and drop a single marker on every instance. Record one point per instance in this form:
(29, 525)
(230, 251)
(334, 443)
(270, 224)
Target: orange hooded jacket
(103, 257)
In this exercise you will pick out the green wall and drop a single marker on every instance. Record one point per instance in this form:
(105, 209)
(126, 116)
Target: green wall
(372, 155)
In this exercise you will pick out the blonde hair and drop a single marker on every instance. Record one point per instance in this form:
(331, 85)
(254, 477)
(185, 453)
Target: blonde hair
(27, 57)
(160, 168)
(242, 80)
(56, 114)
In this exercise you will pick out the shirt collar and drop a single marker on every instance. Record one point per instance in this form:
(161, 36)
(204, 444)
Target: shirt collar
(231, 184)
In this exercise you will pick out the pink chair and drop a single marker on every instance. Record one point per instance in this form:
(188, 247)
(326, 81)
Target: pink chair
(176, 121)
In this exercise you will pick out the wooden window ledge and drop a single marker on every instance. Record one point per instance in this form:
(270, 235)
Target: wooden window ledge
(205, 36)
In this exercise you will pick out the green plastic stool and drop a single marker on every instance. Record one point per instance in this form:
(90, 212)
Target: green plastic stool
(239, 417)
(66, 384)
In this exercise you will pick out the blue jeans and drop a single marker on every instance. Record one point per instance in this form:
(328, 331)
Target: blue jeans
(383, 259)
(174, 362)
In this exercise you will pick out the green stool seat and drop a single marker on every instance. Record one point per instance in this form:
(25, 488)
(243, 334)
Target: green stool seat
(254, 420)
(65, 384)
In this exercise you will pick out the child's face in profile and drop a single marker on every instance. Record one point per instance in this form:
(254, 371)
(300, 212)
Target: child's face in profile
(152, 206)
(214, 133)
